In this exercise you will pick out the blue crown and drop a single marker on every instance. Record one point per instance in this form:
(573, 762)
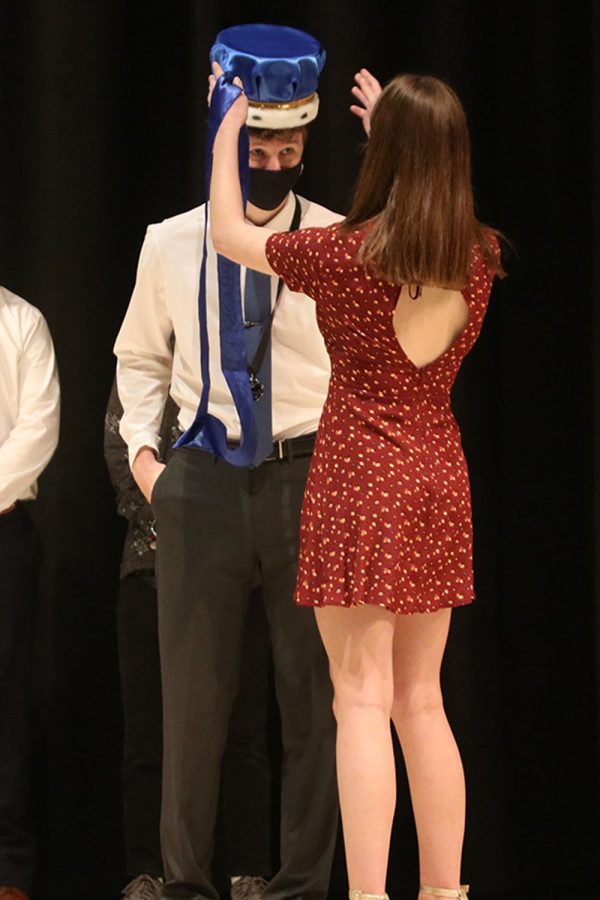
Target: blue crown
(279, 68)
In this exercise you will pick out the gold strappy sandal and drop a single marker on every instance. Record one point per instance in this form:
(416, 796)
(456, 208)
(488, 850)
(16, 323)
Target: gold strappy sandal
(461, 894)
(359, 895)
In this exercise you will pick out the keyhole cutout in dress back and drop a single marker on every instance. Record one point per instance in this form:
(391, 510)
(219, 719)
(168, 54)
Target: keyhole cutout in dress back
(427, 327)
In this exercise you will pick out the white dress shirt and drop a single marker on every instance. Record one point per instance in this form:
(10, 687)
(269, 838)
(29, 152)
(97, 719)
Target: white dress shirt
(29, 398)
(165, 303)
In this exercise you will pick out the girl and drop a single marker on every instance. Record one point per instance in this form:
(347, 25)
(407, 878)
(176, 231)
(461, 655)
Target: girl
(401, 288)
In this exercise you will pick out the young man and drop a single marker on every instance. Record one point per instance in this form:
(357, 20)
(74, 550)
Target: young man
(29, 422)
(220, 526)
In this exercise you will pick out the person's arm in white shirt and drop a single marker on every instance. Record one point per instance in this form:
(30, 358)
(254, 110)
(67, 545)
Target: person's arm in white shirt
(33, 439)
(145, 359)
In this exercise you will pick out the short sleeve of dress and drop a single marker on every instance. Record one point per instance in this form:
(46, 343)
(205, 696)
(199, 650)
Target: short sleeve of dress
(295, 257)
(481, 276)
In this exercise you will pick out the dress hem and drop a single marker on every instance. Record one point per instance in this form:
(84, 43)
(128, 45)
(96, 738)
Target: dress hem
(395, 608)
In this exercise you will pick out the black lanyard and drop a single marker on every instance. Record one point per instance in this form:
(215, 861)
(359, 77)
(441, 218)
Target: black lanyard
(256, 385)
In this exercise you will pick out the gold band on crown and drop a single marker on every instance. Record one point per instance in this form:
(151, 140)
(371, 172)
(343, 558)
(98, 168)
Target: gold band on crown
(292, 104)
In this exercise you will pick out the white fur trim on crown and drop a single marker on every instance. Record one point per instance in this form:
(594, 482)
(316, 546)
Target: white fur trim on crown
(272, 115)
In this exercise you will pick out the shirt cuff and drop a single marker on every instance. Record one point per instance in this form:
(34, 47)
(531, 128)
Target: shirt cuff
(141, 439)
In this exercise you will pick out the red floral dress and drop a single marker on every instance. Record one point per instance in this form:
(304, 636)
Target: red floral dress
(386, 518)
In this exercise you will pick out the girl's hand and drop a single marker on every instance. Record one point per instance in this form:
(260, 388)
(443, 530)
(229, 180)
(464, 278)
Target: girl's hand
(238, 112)
(366, 90)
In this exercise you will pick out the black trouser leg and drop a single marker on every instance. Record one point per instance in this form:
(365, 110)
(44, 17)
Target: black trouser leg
(245, 786)
(142, 718)
(205, 569)
(309, 802)
(214, 522)
(18, 568)
(246, 779)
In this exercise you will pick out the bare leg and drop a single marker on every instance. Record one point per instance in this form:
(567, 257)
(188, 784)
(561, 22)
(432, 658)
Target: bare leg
(384, 665)
(359, 645)
(433, 763)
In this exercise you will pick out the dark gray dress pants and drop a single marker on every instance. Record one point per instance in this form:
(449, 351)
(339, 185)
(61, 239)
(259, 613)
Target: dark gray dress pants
(18, 583)
(217, 525)
(245, 796)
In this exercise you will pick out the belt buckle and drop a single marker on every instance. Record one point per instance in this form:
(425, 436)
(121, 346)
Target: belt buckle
(278, 452)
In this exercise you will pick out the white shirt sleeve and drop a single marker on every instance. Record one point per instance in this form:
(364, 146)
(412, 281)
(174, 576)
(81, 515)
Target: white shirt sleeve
(33, 438)
(144, 353)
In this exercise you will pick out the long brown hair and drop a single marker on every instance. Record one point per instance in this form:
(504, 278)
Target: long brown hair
(414, 188)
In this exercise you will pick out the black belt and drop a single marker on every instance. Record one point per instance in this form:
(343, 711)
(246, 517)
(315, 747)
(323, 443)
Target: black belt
(286, 451)
(293, 448)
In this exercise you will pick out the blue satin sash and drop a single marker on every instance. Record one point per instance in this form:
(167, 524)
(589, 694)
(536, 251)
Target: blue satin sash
(207, 432)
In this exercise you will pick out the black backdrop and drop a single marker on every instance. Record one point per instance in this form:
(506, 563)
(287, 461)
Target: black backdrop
(102, 118)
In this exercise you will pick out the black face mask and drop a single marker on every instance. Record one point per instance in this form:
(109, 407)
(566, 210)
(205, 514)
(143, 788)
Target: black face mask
(268, 189)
